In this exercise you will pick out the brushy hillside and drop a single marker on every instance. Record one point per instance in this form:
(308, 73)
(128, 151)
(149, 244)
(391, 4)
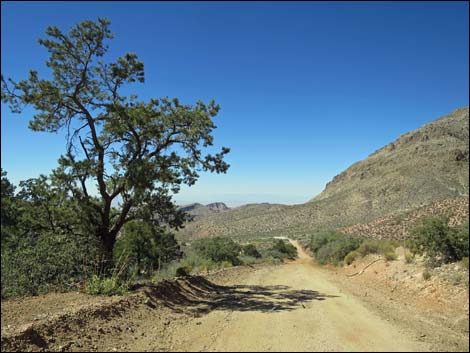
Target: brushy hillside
(421, 167)
(198, 210)
(398, 227)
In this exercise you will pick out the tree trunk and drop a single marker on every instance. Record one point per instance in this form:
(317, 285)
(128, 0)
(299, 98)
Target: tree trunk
(107, 242)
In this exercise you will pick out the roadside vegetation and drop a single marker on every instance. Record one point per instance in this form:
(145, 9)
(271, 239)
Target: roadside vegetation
(330, 246)
(433, 239)
(216, 253)
(47, 247)
(439, 243)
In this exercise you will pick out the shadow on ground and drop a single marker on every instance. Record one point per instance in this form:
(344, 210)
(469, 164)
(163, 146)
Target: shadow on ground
(197, 295)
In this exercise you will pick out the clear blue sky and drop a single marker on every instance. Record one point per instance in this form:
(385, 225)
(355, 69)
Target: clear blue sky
(306, 89)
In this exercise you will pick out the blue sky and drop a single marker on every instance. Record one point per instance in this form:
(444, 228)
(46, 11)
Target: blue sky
(306, 89)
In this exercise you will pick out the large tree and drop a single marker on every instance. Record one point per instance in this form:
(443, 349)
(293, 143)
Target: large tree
(136, 153)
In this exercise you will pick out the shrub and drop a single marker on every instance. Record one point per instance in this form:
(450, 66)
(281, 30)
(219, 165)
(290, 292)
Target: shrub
(331, 246)
(426, 275)
(47, 262)
(322, 237)
(196, 262)
(351, 257)
(97, 285)
(409, 258)
(334, 252)
(250, 250)
(373, 246)
(281, 250)
(439, 242)
(115, 283)
(183, 271)
(147, 247)
(390, 256)
(218, 250)
(250, 260)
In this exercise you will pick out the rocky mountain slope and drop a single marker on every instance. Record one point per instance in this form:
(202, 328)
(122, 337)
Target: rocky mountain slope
(199, 210)
(420, 167)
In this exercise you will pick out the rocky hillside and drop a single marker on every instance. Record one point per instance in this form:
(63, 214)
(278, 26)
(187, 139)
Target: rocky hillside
(397, 227)
(423, 165)
(199, 210)
(420, 167)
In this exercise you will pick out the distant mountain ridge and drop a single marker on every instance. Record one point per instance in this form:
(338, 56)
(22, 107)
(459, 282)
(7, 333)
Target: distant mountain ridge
(426, 165)
(199, 210)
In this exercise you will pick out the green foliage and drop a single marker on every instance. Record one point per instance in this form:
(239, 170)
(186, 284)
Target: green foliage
(146, 246)
(321, 237)
(45, 262)
(331, 246)
(351, 257)
(190, 263)
(97, 285)
(373, 246)
(409, 258)
(250, 250)
(138, 152)
(439, 242)
(335, 251)
(114, 283)
(45, 245)
(9, 213)
(218, 250)
(390, 256)
(183, 271)
(282, 250)
(250, 260)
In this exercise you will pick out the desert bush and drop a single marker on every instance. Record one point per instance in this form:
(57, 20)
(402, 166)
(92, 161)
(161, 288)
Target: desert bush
(47, 262)
(218, 250)
(322, 237)
(115, 282)
(409, 258)
(45, 245)
(100, 285)
(426, 275)
(250, 260)
(281, 250)
(465, 262)
(335, 251)
(147, 247)
(351, 257)
(250, 250)
(183, 271)
(373, 246)
(438, 242)
(332, 246)
(390, 255)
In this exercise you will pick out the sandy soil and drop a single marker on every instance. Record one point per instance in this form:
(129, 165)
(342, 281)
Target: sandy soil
(292, 307)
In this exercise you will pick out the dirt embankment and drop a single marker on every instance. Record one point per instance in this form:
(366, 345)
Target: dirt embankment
(293, 307)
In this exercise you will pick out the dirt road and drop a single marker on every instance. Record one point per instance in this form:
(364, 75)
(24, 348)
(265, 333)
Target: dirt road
(291, 308)
(298, 306)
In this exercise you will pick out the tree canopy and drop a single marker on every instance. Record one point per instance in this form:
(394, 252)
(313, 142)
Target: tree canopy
(136, 153)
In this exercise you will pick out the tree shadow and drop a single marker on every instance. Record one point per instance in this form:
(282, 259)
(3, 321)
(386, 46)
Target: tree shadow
(197, 296)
